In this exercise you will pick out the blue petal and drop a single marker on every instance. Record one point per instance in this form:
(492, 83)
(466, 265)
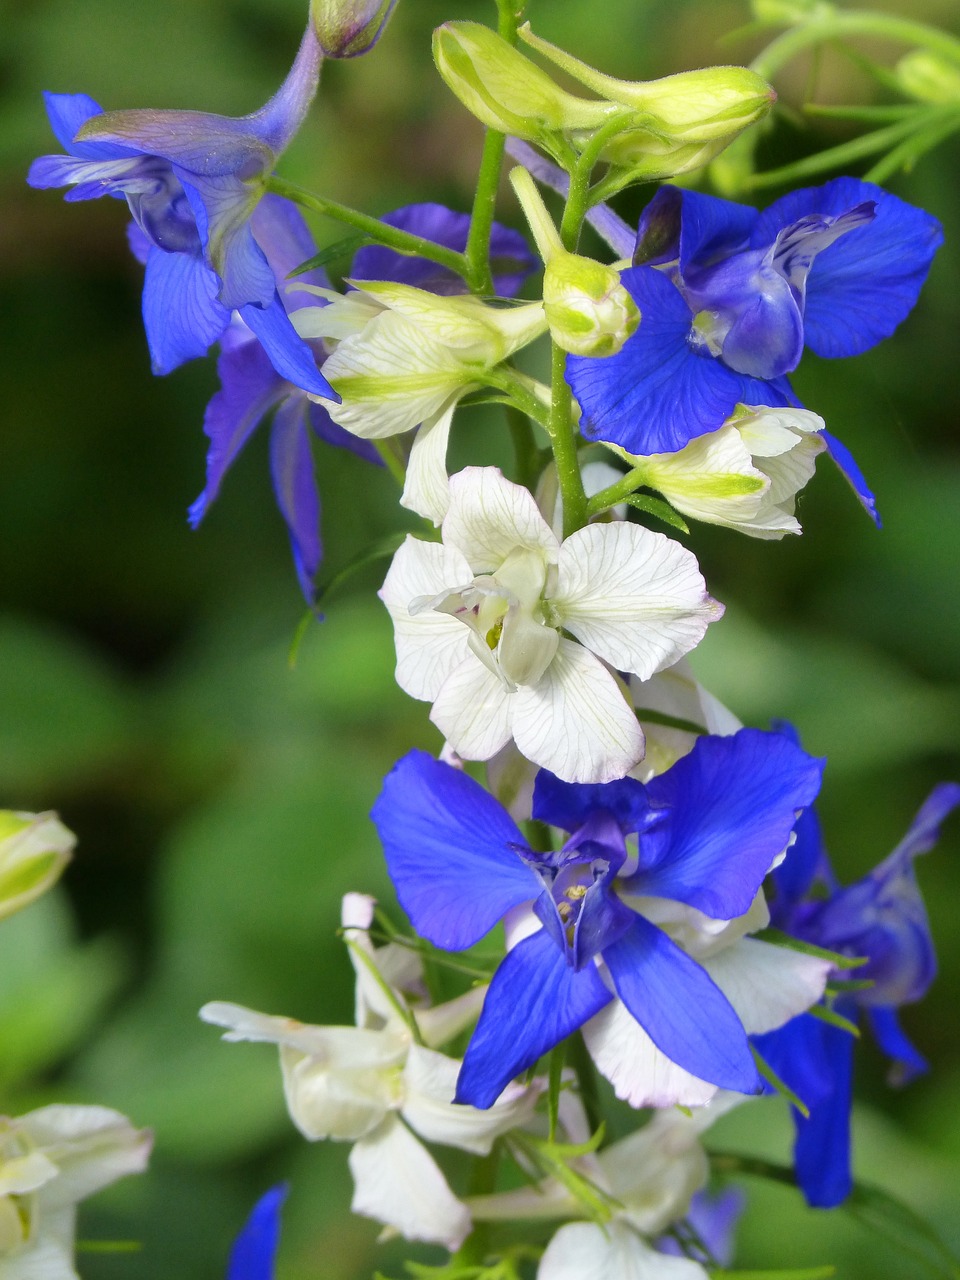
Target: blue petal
(283, 235)
(658, 393)
(295, 484)
(249, 388)
(510, 255)
(68, 112)
(822, 1148)
(222, 206)
(204, 144)
(447, 844)
(254, 1253)
(681, 1009)
(139, 242)
(924, 831)
(907, 1062)
(728, 808)
(181, 313)
(844, 459)
(292, 358)
(92, 178)
(797, 1055)
(535, 1000)
(865, 284)
(330, 431)
(569, 805)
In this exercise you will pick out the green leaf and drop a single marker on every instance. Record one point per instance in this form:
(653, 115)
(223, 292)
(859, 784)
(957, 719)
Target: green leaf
(884, 1214)
(825, 1014)
(344, 248)
(780, 939)
(773, 1079)
(658, 508)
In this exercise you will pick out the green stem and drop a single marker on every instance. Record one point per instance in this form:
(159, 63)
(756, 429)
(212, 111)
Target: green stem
(564, 445)
(392, 237)
(586, 1075)
(483, 1182)
(525, 451)
(387, 450)
(853, 22)
(509, 381)
(615, 493)
(579, 196)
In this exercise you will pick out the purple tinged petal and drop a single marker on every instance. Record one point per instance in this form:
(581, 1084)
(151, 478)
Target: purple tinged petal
(680, 1007)
(289, 354)
(714, 1217)
(254, 1253)
(94, 178)
(447, 844)
(691, 227)
(510, 255)
(924, 831)
(534, 1002)
(569, 805)
(68, 112)
(139, 242)
(727, 810)
(249, 388)
(295, 485)
(865, 284)
(283, 235)
(907, 1062)
(222, 207)
(332, 433)
(278, 120)
(181, 313)
(821, 1152)
(199, 142)
(844, 459)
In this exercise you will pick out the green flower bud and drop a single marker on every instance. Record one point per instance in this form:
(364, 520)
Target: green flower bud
(505, 90)
(928, 78)
(347, 28)
(34, 849)
(588, 310)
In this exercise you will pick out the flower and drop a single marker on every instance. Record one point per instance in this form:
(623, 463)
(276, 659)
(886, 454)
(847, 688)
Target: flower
(192, 181)
(347, 28)
(254, 1252)
(730, 297)
(477, 622)
(34, 849)
(251, 389)
(880, 917)
(379, 1083)
(50, 1159)
(708, 831)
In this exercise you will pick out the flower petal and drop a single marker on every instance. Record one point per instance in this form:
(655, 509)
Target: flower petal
(907, 1062)
(292, 358)
(634, 597)
(584, 1251)
(254, 1252)
(429, 1108)
(473, 710)
(765, 984)
(447, 844)
(844, 459)
(535, 1000)
(181, 313)
(295, 486)
(576, 721)
(489, 517)
(426, 488)
(67, 113)
(569, 805)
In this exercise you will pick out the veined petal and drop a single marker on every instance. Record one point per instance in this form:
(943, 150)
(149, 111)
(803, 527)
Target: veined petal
(200, 142)
(729, 808)
(283, 235)
(632, 596)
(181, 312)
(254, 1252)
(821, 1153)
(473, 709)
(535, 1000)
(447, 844)
(576, 721)
(426, 489)
(584, 1251)
(397, 1182)
(67, 113)
(429, 1108)
(289, 354)
(489, 517)
(767, 985)
(222, 207)
(684, 1013)
(430, 645)
(295, 486)
(569, 805)
(907, 1062)
(91, 1147)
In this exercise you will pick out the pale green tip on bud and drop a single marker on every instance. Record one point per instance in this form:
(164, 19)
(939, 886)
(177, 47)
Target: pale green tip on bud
(347, 28)
(588, 310)
(34, 849)
(929, 78)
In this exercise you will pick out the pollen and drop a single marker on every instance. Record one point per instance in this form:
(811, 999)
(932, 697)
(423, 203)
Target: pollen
(575, 892)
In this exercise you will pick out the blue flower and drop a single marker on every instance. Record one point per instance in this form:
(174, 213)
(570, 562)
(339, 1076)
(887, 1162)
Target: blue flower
(192, 181)
(251, 388)
(730, 297)
(708, 831)
(254, 1252)
(880, 917)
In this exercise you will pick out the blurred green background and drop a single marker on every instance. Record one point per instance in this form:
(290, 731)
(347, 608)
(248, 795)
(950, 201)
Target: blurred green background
(220, 797)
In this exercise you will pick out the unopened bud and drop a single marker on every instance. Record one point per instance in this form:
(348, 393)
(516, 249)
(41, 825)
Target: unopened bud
(34, 849)
(347, 28)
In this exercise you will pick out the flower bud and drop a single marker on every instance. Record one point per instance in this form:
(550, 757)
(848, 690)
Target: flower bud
(588, 310)
(928, 78)
(347, 28)
(34, 849)
(505, 90)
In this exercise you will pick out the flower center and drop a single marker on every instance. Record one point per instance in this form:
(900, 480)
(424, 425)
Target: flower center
(160, 207)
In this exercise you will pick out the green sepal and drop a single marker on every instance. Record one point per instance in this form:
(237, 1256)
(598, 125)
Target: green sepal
(344, 248)
(840, 986)
(552, 1159)
(775, 1082)
(825, 1014)
(780, 939)
(658, 508)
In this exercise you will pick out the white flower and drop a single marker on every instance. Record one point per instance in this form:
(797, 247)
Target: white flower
(49, 1160)
(746, 475)
(674, 709)
(405, 358)
(478, 621)
(372, 1084)
(34, 849)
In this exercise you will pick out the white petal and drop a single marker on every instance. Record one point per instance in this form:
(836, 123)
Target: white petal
(47, 1259)
(21, 1174)
(391, 378)
(489, 517)
(346, 1096)
(427, 487)
(397, 1182)
(473, 709)
(347, 314)
(430, 645)
(431, 1080)
(790, 472)
(713, 478)
(576, 721)
(583, 1251)
(91, 1146)
(634, 597)
(767, 985)
(767, 432)
(640, 1074)
(266, 1028)
(444, 1021)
